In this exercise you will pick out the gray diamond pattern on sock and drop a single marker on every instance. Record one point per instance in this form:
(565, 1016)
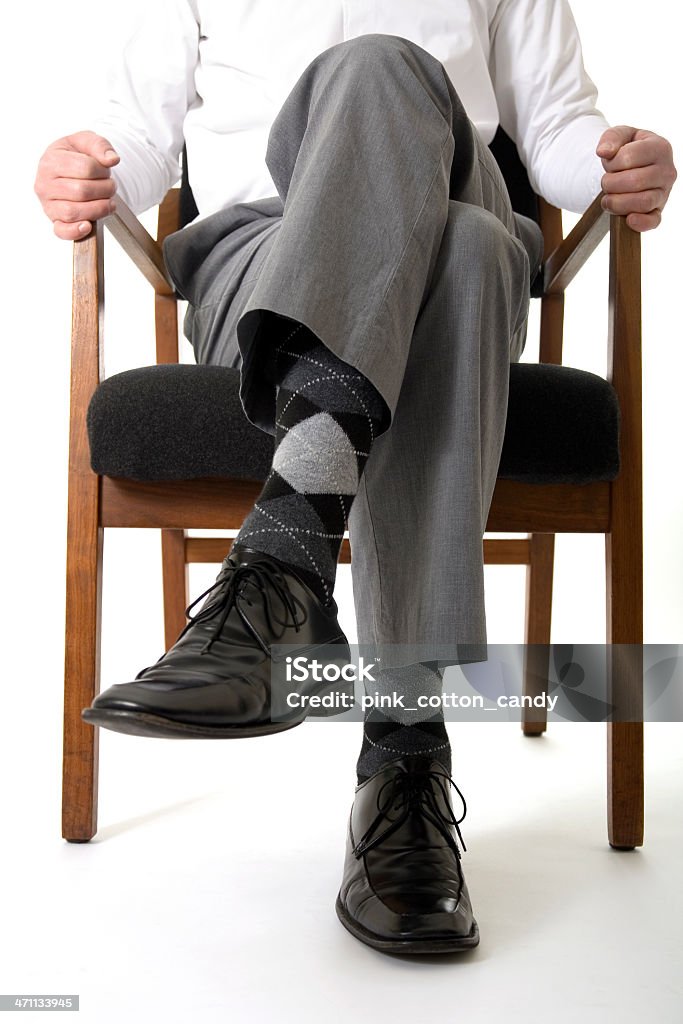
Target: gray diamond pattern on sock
(297, 458)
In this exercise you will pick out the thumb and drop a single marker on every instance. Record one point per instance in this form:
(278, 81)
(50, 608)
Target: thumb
(95, 146)
(613, 139)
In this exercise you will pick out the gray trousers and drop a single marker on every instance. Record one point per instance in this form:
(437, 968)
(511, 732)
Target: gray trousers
(393, 240)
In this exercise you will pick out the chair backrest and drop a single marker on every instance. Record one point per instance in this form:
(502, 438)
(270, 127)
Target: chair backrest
(522, 196)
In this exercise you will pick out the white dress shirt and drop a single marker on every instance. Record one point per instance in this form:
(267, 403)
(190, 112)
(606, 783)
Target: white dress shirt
(214, 74)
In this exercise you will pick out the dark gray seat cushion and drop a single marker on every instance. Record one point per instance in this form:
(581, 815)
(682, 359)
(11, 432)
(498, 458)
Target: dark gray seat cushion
(181, 422)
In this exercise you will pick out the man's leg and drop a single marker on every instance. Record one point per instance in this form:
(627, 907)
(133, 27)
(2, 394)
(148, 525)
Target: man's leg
(430, 481)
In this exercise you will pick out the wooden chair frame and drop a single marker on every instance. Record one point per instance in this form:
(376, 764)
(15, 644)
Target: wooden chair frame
(539, 510)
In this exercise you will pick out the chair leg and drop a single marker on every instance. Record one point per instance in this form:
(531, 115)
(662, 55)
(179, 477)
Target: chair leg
(624, 548)
(539, 597)
(174, 571)
(625, 785)
(84, 550)
(625, 767)
(82, 664)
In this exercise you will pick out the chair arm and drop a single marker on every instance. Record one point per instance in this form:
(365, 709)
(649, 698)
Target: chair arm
(563, 264)
(559, 269)
(144, 251)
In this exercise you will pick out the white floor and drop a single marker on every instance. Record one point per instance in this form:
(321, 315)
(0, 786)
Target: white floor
(208, 892)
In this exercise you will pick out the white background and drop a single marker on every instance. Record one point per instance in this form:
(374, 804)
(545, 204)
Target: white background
(154, 793)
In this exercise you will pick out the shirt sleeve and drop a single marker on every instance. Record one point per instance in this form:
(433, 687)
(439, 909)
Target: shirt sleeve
(546, 100)
(150, 89)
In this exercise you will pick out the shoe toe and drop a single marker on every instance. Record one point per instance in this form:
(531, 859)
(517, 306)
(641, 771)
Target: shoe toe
(211, 703)
(412, 916)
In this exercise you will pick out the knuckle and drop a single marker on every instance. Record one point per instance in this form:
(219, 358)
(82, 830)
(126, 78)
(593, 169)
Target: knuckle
(66, 212)
(80, 191)
(89, 167)
(639, 184)
(665, 151)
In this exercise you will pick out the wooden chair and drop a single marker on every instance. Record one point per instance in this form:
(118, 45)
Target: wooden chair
(612, 507)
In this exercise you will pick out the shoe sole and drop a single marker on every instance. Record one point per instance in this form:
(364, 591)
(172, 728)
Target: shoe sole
(412, 947)
(142, 723)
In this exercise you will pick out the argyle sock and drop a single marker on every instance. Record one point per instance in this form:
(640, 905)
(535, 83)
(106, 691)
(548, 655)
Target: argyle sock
(327, 415)
(392, 731)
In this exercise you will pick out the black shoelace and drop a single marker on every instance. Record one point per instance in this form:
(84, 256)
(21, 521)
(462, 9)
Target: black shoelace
(231, 583)
(407, 792)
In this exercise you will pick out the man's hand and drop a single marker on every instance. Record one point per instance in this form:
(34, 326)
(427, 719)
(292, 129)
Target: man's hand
(640, 175)
(74, 183)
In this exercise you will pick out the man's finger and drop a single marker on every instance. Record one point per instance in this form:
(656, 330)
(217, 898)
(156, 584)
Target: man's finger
(72, 232)
(95, 146)
(79, 190)
(638, 180)
(640, 153)
(635, 202)
(613, 139)
(72, 213)
(66, 163)
(644, 221)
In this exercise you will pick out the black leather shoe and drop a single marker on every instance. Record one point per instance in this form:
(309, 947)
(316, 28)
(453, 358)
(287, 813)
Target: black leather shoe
(403, 889)
(216, 679)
